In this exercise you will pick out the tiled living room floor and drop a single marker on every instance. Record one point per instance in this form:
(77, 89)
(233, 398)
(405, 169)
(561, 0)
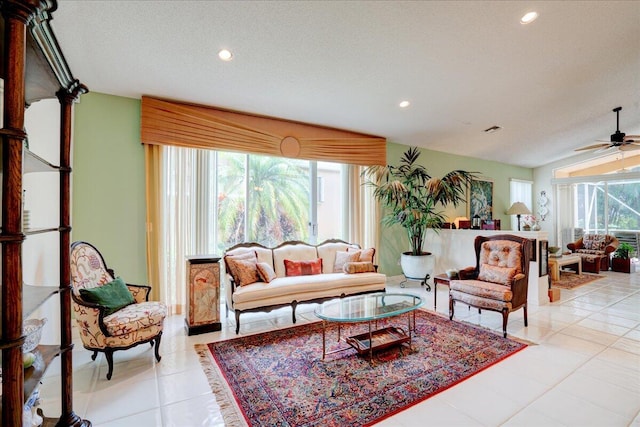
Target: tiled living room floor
(584, 369)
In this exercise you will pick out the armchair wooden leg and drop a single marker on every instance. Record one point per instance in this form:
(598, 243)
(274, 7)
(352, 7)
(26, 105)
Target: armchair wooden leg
(294, 304)
(109, 355)
(525, 315)
(94, 355)
(505, 316)
(157, 349)
(451, 304)
(237, 312)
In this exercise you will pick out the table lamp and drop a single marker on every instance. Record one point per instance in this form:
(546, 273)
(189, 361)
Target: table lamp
(518, 208)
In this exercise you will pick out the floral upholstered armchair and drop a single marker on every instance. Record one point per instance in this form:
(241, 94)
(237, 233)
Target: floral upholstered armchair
(499, 281)
(595, 251)
(111, 315)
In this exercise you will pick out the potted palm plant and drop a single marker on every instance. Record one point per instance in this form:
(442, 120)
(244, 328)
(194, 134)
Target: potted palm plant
(413, 199)
(621, 260)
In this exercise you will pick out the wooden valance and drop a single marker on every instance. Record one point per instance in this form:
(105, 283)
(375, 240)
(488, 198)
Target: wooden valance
(167, 122)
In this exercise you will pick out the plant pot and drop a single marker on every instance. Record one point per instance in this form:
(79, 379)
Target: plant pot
(417, 267)
(621, 265)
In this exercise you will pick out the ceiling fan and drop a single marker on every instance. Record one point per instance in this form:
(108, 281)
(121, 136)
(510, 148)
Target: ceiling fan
(619, 140)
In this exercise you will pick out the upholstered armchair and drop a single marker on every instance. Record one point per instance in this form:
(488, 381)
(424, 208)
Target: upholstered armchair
(499, 281)
(110, 314)
(595, 251)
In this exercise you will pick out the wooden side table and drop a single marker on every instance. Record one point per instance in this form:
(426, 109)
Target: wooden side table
(203, 294)
(439, 279)
(556, 262)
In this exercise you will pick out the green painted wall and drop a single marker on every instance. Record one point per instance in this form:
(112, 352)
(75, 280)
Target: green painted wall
(394, 240)
(109, 195)
(108, 192)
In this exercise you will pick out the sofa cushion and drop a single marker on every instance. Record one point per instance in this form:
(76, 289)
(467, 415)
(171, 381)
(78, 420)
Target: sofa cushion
(482, 289)
(265, 271)
(501, 253)
(303, 268)
(344, 257)
(292, 252)
(113, 295)
(327, 251)
(243, 268)
(283, 290)
(594, 242)
(135, 317)
(366, 255)
(495, 274)
(358, 267)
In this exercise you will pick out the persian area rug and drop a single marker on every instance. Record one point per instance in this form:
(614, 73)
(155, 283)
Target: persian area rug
(279, 377)
(569, 280)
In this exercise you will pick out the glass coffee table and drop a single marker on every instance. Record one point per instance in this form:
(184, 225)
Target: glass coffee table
(369, 309)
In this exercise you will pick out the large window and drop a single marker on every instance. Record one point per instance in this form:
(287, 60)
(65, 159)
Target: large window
(237, 198)
(607, 207)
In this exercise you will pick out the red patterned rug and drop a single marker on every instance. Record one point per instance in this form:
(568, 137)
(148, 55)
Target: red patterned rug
(279, 377)
(569, 280)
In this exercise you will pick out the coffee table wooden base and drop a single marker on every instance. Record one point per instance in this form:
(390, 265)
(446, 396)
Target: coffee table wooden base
(374, 340)
(556, 263)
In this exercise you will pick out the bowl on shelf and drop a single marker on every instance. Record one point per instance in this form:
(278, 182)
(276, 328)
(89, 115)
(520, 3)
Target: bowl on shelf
(32, 329)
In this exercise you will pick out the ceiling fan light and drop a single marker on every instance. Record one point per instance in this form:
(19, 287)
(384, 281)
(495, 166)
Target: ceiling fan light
(528, 18)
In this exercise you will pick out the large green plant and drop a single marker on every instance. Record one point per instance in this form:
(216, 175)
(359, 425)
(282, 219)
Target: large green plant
(413, 197)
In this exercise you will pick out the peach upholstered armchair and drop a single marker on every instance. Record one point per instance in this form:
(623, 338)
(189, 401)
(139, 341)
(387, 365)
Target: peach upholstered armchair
(499, 280)
(111, 315)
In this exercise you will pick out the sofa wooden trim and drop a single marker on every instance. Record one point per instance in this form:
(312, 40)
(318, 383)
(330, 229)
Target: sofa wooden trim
(295, 301)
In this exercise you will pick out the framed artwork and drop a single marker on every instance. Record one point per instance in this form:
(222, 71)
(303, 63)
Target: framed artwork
(544, 258)
(480, 197)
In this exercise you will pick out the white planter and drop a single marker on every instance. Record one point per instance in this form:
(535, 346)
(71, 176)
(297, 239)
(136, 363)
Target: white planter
(417, 266)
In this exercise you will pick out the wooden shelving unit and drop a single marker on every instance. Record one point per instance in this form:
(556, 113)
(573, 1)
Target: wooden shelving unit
(33, 68)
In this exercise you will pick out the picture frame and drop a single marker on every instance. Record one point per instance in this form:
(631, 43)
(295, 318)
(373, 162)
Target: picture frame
(544, 258)
(480, 199)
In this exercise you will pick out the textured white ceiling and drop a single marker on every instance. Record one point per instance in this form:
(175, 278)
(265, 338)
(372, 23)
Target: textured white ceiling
(465, 66)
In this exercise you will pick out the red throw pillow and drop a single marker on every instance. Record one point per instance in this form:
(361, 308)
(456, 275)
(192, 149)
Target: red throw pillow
(302, 268)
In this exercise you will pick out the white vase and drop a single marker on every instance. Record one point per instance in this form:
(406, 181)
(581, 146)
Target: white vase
(417, 266)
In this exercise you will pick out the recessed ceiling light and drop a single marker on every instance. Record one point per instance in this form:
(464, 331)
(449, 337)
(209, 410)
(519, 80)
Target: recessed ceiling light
(225, 55)
(529, 18)
(404, 104)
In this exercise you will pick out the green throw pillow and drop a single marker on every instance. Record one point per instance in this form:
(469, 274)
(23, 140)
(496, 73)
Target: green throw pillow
(113, 295)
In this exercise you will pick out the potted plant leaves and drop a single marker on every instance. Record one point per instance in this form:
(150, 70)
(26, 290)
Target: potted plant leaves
(414, 200)
(621, 261)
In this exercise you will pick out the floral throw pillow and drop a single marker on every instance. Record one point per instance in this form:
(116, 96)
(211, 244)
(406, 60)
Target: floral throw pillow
(359, 267)
(242, 268)
(344, 257)
(302, 268)
(265, 271)
(366, 255)
(495, 274)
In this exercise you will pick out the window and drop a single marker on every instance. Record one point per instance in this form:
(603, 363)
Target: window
(214, 200)
(519, 191)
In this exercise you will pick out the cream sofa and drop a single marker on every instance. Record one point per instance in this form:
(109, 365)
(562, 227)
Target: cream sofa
(286, 290)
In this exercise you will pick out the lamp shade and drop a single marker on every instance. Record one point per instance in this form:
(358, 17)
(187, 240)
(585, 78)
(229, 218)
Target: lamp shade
(518, 208)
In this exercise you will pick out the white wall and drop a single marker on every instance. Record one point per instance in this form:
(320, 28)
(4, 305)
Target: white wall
(40, 253)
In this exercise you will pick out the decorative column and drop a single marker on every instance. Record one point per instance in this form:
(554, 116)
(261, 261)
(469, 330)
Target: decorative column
(203, 294)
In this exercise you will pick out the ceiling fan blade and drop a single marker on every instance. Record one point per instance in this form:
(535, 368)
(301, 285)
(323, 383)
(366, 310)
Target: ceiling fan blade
(629, 147)
(632, 138)
(591, 147)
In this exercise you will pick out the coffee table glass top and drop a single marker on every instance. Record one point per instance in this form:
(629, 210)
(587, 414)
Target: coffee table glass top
(362, 308)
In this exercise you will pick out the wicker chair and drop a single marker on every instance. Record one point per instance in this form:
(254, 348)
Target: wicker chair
(499, 281)
(136, 323)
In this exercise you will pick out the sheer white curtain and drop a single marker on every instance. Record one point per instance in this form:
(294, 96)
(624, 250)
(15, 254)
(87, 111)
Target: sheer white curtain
(520, 191)
(564, 214)
(178, 223)
(363, 211)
